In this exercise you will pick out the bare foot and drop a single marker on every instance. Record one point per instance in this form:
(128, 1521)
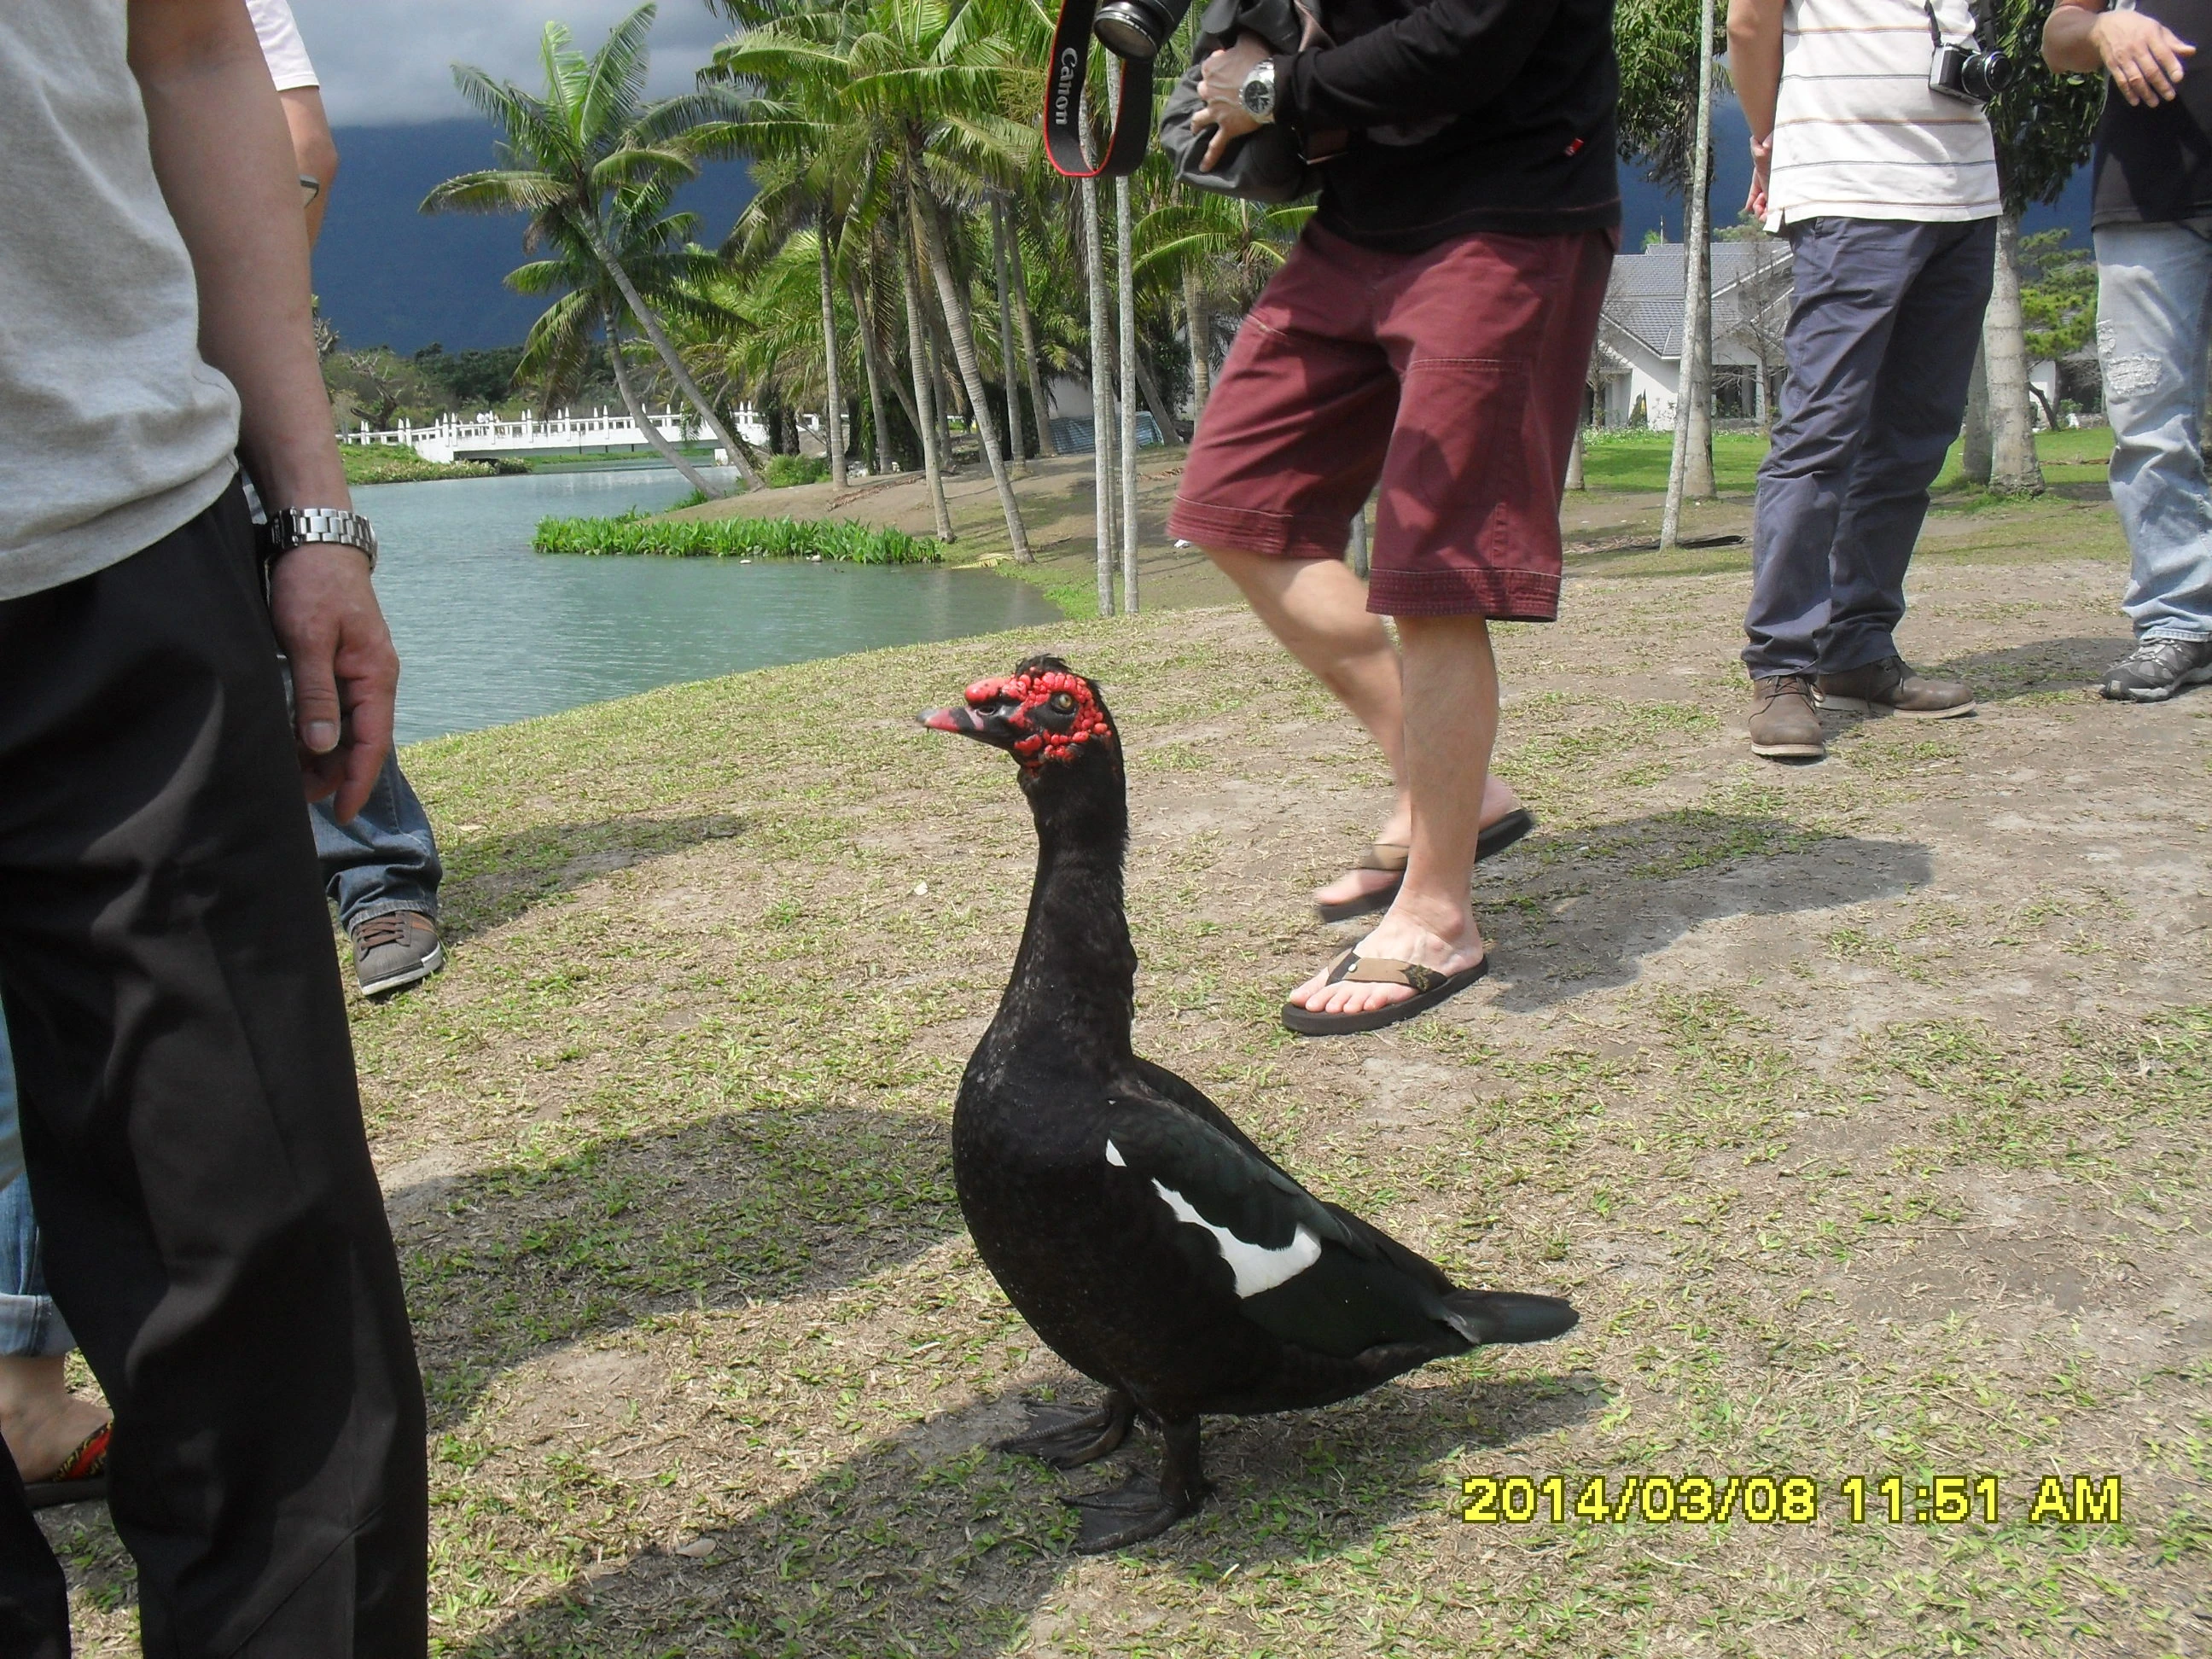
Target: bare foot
(41, 1419)
(1401, 940)
(1498, 800)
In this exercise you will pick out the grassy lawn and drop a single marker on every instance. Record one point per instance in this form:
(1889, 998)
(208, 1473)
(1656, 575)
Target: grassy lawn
(1638, 460)
(1860, 1109)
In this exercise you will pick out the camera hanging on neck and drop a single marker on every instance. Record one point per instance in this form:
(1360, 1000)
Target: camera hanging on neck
(1070, 65)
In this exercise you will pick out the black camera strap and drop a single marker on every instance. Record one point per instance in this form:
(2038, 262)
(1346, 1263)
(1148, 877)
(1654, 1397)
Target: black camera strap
(1063, 101)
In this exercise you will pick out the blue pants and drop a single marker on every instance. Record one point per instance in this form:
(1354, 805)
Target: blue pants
(386, 859)
(31, 1327)
(1884, 317)
(2153, 314)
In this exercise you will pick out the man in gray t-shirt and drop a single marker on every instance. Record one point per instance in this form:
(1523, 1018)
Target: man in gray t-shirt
(213, 1230)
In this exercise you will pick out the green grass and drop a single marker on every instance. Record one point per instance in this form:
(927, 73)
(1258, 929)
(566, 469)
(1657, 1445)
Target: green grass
(1638, 460)
(735, 538)
(375, 463)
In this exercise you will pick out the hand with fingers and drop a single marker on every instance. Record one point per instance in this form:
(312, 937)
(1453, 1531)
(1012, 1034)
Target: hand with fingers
(1221, 84)
(2142, 55)
(1762, 157)
(345, 672)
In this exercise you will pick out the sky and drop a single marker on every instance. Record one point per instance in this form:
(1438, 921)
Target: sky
(389, 62)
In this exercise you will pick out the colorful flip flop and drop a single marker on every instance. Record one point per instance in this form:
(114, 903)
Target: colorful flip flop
(1389, 856)
(1429, 987)
(82, 1477)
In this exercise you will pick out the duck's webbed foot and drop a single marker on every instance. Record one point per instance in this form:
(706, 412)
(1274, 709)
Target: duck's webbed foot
(1141, 1507)
(1068, 1438)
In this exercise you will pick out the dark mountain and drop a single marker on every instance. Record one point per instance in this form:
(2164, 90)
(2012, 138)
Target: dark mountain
(391, 276)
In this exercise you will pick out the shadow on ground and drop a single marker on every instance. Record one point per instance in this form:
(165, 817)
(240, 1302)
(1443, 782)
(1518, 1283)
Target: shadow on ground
(491, 880)
(1599, 900)
(2065, 664)
(504, 1264)
(932, 1543)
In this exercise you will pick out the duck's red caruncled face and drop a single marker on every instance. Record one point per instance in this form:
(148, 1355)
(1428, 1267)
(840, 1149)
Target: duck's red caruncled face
(1053, 711)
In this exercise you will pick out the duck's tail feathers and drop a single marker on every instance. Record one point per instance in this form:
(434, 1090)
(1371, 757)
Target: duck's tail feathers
(1483, 1316)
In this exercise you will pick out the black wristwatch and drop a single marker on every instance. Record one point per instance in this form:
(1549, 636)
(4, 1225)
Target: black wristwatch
(1257, 95)
(297, 527)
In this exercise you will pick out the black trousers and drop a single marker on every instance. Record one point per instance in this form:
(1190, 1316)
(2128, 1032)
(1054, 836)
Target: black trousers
(214, 1232)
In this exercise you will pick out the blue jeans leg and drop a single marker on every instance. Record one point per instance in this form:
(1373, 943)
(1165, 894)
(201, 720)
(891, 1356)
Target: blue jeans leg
(31, 1327)
(2153, 308)
(386, 859)
(1884, 317)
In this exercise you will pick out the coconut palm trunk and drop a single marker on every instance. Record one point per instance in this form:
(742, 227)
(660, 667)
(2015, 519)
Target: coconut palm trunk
(886, 356)
(1198, 318)
(739, 451)
(971, 373)
(2013, 469)
(1125, 296)
(1040, 408)
(865, 321)
(1690, 468)
(1006, 336)
(1974, 457)
(833, 431)
(925, 413)
(653, 435)
(1162, 417)
(1102, 397)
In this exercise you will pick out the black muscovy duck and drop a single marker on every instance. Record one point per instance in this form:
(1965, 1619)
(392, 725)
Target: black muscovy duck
(1140, 1232)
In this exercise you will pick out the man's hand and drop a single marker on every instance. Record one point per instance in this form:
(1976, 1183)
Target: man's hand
(344, 669)
(1762, 157)
(1221, 84)
(2142, 55)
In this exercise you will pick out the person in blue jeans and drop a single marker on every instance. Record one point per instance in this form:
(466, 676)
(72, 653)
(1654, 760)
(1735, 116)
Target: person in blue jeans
(2151, 214)
(382, 871)
(57, 1439)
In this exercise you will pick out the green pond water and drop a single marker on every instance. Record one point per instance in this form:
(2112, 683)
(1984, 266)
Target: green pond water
(490, 632)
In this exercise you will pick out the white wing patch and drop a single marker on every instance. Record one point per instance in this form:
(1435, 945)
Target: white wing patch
(1114, 1156)
(1257, 1268)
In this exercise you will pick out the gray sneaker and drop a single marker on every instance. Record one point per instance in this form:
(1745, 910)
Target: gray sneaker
(1890, 687)
(2157, 669)
(1784, 724)
(394, 950)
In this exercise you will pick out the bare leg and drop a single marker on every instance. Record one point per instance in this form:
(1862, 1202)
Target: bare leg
(1451, 722)
(1318, 609)
(41, 1420)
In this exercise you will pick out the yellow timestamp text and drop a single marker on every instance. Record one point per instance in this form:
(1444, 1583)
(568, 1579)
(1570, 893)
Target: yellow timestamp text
(1783, 1499)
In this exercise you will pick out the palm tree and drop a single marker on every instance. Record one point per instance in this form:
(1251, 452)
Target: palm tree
(570, 156)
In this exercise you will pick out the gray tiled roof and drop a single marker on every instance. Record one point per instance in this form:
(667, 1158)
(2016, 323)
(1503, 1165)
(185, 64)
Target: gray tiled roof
(1644, 297)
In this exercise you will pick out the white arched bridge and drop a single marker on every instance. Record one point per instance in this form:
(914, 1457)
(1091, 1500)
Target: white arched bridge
(452, 438)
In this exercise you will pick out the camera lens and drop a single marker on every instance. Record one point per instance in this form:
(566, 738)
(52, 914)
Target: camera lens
(1986, 74)
(1136, 29)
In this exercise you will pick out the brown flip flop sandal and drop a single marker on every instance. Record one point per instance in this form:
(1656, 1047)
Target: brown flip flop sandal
(1389, 856)
(1429, 987)
(82, 1477)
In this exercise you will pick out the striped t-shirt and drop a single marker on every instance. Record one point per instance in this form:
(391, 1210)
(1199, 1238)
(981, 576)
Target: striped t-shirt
(1858, 133)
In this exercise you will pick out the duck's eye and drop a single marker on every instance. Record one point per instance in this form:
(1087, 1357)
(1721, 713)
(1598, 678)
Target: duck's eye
(1062, 702)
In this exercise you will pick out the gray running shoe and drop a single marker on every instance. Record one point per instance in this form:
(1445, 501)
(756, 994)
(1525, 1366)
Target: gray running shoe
(1784, 724)
(2157, 669)
(394, 950)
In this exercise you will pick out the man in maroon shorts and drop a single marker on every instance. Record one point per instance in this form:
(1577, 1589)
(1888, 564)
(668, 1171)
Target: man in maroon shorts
(1430, 332)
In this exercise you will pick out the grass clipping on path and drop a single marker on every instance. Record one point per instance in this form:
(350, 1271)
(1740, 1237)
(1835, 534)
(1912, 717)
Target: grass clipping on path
(735, 538)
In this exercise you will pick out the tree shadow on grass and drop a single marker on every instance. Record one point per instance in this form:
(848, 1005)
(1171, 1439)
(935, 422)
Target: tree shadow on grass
(931, 1543)
(505, 1264)
(1593, 903)
(2074, 664)
(492, 879)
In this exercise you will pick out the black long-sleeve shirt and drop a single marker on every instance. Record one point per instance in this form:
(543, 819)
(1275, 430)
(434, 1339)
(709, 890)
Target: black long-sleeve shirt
(1465, 115)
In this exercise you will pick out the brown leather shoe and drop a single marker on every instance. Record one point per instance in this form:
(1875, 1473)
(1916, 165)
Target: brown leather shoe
(1784, 724)
(1890, 687)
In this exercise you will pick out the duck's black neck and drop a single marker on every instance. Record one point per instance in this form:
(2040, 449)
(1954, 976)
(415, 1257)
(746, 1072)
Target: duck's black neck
(1075, 976)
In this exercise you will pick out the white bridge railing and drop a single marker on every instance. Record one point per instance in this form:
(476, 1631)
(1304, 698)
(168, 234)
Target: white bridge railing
(450, 438)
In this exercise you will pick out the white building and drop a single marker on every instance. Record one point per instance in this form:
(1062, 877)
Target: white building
(1639, 338)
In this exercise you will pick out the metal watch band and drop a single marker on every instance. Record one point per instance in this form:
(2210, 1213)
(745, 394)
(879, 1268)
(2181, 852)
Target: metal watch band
(297, 527)
(1257, 93)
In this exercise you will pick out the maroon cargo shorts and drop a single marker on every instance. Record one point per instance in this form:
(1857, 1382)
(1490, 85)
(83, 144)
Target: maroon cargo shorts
(1453, 377)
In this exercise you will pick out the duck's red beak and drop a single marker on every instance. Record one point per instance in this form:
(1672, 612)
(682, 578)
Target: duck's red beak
(961, 720)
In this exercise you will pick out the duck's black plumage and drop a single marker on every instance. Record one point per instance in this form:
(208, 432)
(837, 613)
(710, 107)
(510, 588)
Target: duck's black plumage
(1140, 1231)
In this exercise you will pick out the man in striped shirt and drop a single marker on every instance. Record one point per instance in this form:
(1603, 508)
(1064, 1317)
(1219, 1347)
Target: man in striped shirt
(1888, 190)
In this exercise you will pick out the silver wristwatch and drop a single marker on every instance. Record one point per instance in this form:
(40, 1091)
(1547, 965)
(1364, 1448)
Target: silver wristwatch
(296, 526)
(1257, 95)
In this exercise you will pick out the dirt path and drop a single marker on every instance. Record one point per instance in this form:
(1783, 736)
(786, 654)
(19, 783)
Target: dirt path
(1861, 1108)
